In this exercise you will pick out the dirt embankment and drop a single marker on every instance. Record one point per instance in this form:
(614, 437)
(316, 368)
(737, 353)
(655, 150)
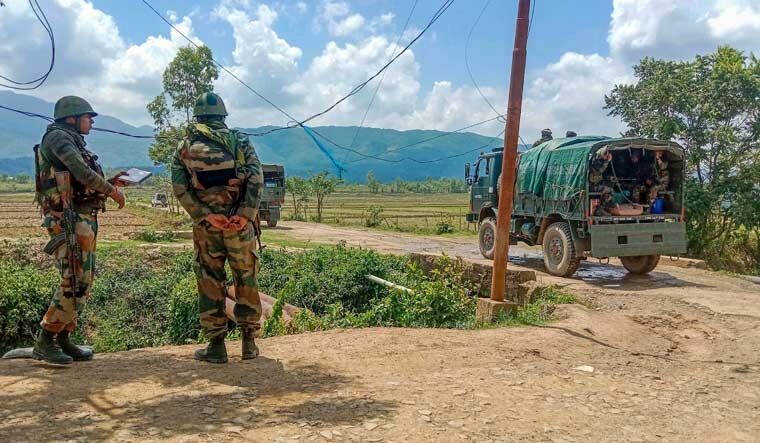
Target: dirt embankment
(668, 357)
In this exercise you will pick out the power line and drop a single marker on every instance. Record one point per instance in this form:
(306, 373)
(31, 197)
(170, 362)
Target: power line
(467, 57)
(110, 131)
(293, 121)
(444, 7)
(221, 66)
(380, 82)
(437, 136)
(39, 81)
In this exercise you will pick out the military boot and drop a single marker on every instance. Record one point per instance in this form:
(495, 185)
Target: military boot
(215, 352)
(78, 353)
(250, 350)
(46, 348)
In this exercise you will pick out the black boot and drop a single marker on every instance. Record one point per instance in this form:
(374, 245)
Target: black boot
(46, 348)
(78, 353)
(215, 352)
(250, 350)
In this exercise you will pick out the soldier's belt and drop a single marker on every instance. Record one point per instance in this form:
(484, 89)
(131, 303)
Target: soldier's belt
(54, 243)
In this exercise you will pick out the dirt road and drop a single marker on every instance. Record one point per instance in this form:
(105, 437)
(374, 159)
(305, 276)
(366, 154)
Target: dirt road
(670, 357)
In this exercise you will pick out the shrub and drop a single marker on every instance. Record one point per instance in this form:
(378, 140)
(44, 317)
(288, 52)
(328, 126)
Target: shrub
(443, 227)
(372, 218)
(25, 294)
(151, 236)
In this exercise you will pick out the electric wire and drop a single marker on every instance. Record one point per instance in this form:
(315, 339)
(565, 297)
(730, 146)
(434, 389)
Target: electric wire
(380, 82)
(467, 59)
(39, 81)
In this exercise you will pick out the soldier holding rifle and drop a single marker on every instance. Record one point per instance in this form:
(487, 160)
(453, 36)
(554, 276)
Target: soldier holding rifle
(71, 190)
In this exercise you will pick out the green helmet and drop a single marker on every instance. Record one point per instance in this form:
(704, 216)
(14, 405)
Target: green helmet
(72, 106)
(208, 104)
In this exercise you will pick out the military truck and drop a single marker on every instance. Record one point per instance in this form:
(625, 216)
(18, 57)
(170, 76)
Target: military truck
(557, 206)
(273, 195)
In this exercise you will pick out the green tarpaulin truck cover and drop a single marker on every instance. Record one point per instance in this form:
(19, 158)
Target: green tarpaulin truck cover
(558, 169)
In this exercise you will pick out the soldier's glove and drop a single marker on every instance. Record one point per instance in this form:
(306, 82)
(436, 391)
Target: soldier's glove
(218, 221)
(237, 223)
(118, 197)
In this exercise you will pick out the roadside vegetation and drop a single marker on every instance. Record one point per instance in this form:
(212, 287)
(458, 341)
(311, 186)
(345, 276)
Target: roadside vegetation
(145, 298)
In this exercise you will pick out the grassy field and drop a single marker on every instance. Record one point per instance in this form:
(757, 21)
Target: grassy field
(406, 212)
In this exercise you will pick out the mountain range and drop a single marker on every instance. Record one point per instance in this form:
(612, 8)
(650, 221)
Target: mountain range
(293, 148)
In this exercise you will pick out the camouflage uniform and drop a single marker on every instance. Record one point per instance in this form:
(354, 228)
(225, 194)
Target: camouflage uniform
(546, 135)
(599, 166)
(63, 149)
(205, 161)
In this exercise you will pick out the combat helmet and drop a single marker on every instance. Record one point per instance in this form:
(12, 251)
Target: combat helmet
(209, 104)
(72, 106)
(545, 133)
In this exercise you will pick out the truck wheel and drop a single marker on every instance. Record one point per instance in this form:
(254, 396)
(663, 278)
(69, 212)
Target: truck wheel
(487, 237)
(560, 258)
(640, 264)
(271, 223)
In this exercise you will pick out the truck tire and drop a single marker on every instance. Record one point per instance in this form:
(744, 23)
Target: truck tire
(560, 257)
(487, 237)
(640, 264)
(271, 223)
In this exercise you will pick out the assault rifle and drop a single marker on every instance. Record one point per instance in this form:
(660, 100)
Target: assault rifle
(69, 221)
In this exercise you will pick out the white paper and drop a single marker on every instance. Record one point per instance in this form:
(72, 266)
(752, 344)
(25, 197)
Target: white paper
(135, 176)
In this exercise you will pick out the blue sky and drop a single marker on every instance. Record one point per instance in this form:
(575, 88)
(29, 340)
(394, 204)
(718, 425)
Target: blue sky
(558, 27)
(304, 55)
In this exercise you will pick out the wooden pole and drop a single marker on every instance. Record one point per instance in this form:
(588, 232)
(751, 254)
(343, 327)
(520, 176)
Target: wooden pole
(514, 106)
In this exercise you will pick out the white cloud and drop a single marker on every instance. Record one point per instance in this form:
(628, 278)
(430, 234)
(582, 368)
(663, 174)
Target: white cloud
(119, 79)
(680, 29)
(337, 17)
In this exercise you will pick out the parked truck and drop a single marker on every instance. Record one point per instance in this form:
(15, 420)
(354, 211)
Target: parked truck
(558, 206)
(273, 195)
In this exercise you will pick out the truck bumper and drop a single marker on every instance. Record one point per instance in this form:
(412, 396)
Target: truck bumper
(629, 239)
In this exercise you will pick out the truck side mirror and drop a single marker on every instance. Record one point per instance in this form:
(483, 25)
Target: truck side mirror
(467, 177)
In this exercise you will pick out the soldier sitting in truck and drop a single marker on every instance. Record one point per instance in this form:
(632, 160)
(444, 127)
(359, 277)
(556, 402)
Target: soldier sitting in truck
(601, 181)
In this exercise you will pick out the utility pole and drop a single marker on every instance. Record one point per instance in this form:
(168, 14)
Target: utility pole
(514, 106)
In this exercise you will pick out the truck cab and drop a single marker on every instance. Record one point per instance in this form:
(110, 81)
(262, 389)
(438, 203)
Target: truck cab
(273, 194)
(586, 197)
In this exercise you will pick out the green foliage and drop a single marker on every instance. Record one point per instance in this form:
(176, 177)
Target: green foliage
(539, 311)
(710, 106)
(151, 236)
(300, 190)
(373, 184)
(373, 217)
(184, 325)
(321, 185)
(443, 227)
(320, 277)
(190, 73)
(25, 293)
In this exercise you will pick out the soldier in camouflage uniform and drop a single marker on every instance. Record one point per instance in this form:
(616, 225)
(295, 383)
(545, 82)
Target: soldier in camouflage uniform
(62, 149)
(217, 177)
(600, 183)
(546, 135)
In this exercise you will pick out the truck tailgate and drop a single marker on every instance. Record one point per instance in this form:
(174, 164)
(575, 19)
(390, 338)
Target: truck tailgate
(628, 239)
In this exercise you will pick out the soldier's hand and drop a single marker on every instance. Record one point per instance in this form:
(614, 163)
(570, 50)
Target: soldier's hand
(237, 223)
(116, 181)
(118, 197)
(218, 221)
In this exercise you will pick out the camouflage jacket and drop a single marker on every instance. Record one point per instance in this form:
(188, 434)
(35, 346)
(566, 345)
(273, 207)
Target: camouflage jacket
(63, 149)
(204, 163)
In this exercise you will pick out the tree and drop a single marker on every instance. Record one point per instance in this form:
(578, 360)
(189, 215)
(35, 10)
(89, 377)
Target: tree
(373, 184)
(299, 190)
(710, 106)
(190, 73)
(321, 185)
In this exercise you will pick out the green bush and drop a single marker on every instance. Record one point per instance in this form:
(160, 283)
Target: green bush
(443, 227)
(184, 317)
(25, 294)
(151, 236)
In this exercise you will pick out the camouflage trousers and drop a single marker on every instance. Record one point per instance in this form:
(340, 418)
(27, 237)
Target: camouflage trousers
(214, 247)
(66, 304)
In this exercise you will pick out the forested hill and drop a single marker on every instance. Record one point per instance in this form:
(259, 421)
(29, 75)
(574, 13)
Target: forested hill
(293, 148)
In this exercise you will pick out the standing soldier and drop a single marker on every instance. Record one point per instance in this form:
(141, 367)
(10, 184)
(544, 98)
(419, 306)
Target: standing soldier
(71, 190)
(217, 178)
(546, 135)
